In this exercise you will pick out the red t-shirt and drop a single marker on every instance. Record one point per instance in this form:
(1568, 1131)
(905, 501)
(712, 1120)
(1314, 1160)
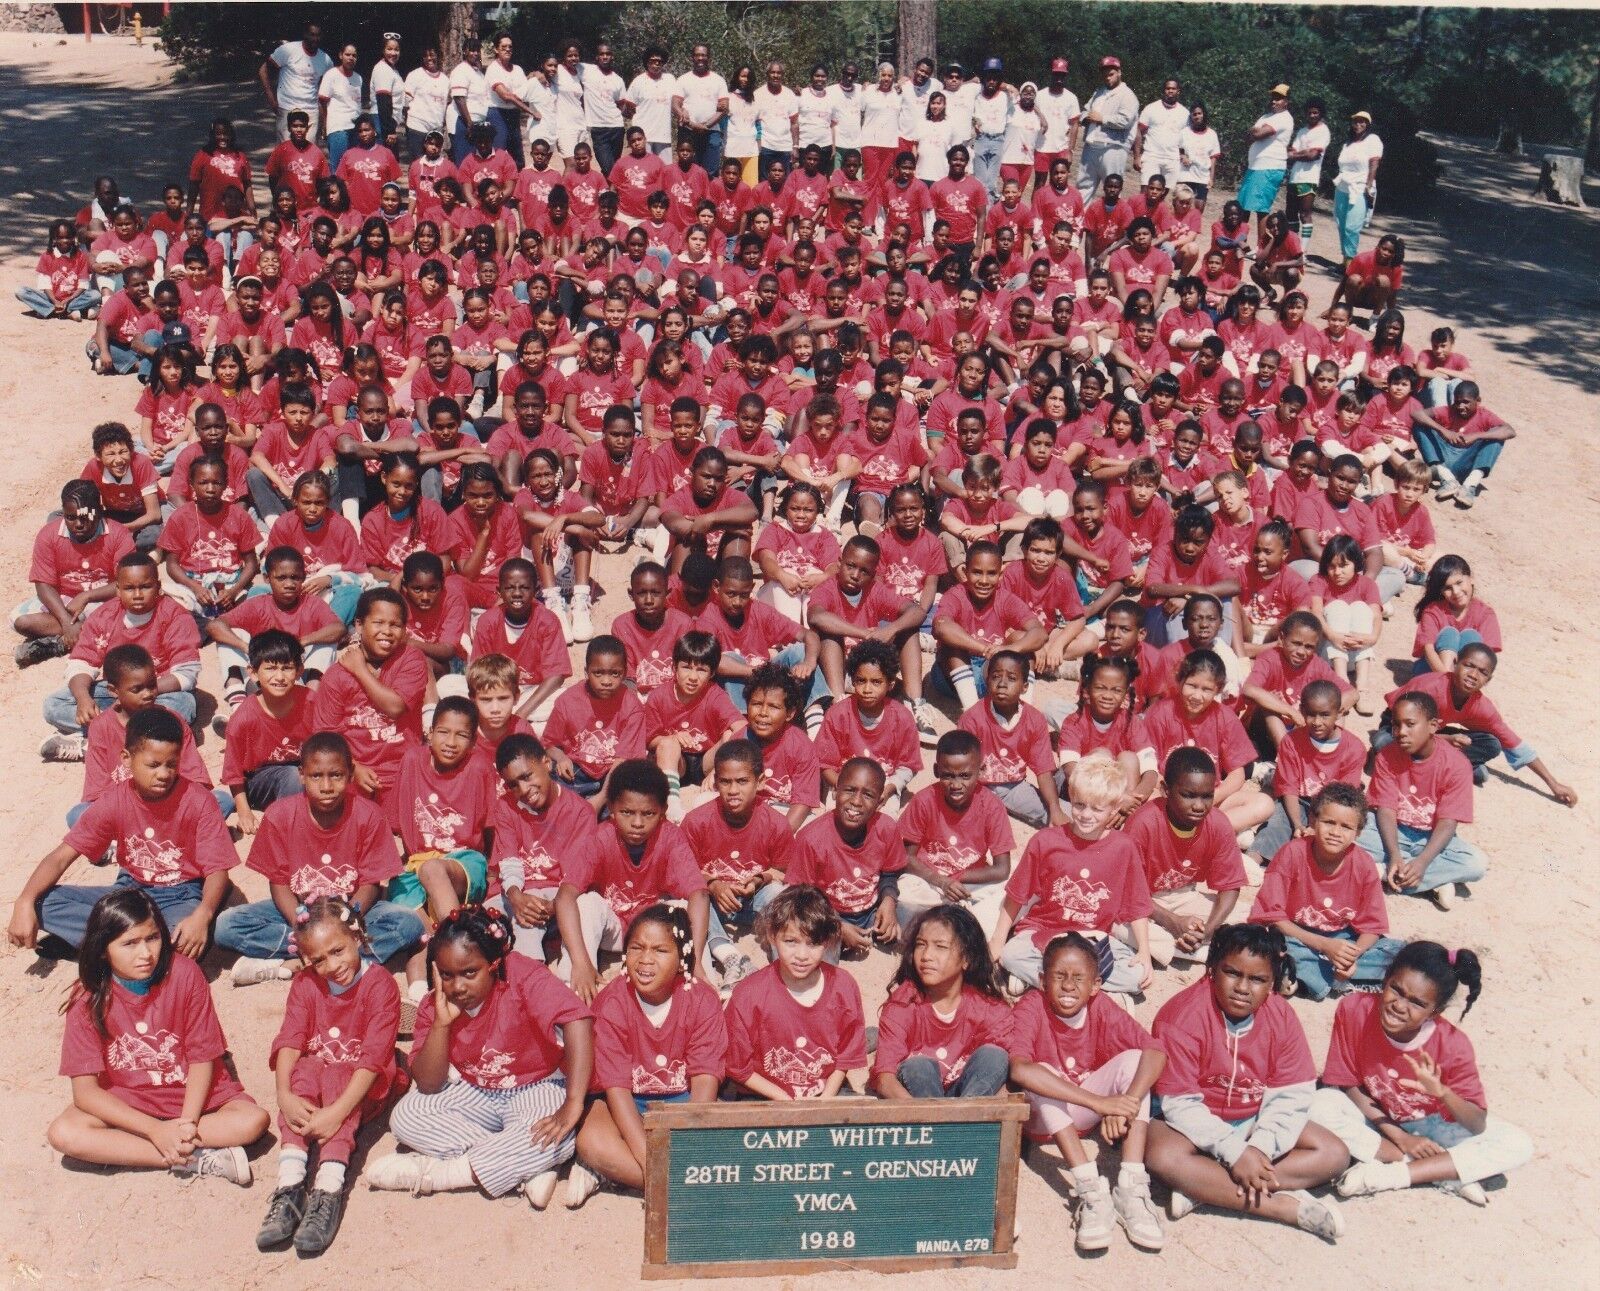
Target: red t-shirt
(127, 493)
(1231, 1070)
(505, 543)
(1104, 1031)
(696, 724)
(386, 542)
(657, 1059)
(1218, 732)
(537, 841)
(169, 635)
(1303, 768)
(1298, 889)
(892, 743)
(1208, 854)
(667, 869)
(1267, 602)
(1271, 672)
(159, 844)
(1077, 884)
(908, 1027)
(734, 854)
(950, 842)
(1477, 617)
(1083, 735)
(1478, 713)
(1010, 752)
(1361, 1055)
(512, 1041)
(595, 393)
(71, 567)
(151, 1042)
(650, 653)
(990, 623)
(1422, 791)
(376, 739)
(904, 567)
(539, 650)
(292, 849)
(614, 485)
(795, 1046)
(764, 632)
(790, 775)
(435, 811)
(255, 614)
(102, 759)
(1414, 531)
(355, 1030)
(209, 544)
(596, 735)
(256, 738)
(849, 875)
(876, 605)
(234, 458)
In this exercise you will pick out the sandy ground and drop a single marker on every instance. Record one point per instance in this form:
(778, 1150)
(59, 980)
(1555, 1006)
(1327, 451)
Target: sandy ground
(1520, 282)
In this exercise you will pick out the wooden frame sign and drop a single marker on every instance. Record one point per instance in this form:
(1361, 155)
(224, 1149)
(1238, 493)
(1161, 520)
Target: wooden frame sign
(753, 1189)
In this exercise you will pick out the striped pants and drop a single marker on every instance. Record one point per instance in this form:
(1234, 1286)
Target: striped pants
(490, 1125)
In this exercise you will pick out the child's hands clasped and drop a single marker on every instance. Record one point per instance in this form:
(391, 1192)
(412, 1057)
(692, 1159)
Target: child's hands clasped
(1254, 1176)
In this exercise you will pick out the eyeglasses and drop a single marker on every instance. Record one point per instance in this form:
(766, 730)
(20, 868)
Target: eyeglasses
(392, 35)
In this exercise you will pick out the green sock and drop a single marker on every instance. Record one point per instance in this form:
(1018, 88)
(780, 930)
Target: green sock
(673, 783)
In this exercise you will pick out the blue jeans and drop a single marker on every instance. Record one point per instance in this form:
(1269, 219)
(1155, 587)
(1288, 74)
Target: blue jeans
(1315, 970)
(64, 909)
(234, 243)
(744, 917)
(1482, 749)
(708, 147)
(788, 657)
(44, 307)
(1459, 862)
(258, 930)
(1474, 455)
(124, 358)
(987, 149)
(507, 124)
(61, 709)
(1271, 837)
(1449, 641)
(338, 141)
(984, 1075)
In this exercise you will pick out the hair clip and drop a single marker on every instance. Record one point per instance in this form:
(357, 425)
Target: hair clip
(425, 939)
(302, 918)
(1450, 956)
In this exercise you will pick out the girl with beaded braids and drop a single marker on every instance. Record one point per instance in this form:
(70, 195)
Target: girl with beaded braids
(334, 1061)
(511, 1117)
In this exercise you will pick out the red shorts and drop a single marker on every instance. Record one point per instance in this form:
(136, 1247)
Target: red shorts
(1043, 160)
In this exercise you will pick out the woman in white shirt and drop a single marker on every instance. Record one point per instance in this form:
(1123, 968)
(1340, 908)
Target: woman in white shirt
(1198, 150)
(880, 127)
(1023, 132)
(427, 96)
(936, 135)
(540, 122)
(740, 144)
(1355, 187)
(507, 85)
(388, 92)
(819, 113)
(339, 100)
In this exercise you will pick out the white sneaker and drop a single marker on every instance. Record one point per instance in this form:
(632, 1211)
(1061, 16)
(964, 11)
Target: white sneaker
(403, 1172)
(217, 1163)
(1015, 986)
(1319, 1215)
(582, 1183)
(540, 1189)
(1137, 1215)
(582, 624)
(1468, 1192)
(1179, 1205)
(248, 972)
(559, 609)
(63, 748)
(736, 970)
(1367, 1179)
(1095, 1217)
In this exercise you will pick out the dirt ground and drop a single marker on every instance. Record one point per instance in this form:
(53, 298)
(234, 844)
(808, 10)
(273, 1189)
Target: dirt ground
(1520, 281)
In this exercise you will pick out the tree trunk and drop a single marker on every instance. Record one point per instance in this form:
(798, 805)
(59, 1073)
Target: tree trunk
(1510, 138)
(1561, 179)
(916, 24)
(458, 26)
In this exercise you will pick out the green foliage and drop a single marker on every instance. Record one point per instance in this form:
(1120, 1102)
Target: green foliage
(214, 41)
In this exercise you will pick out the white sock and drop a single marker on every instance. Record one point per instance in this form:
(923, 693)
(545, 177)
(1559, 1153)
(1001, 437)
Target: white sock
(1131, 1173)
(1473, 480)
(330, 1177)
(552, 598)
(1084, 1176)
(813, 719)
(1446, 475)
(659, 540)
(416, 991)
(965, 687)
(351, 510)
(1391, 1175)
(291, 1167)
(580, 596)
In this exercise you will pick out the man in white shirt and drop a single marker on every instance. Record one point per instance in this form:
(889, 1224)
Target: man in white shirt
(991, 114)
(603, 92)
(291, 75)
(1106, 128)
(1159, 132)
(914, 91)
(701, 108)
(958, 95)
(1268, 158)
(469, 101)
(1305, 165)
(777, 121)
(1059, 108)
(648, 101)
(847, 95)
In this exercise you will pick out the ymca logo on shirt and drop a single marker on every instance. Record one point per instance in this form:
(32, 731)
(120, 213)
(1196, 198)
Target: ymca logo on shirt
(949, 858)
(949, 1072)
(1240, 1091)
(156, 1055)
(1177, 878)
(1080, 900)
(596, 748)
(1400, 1103)
(334, 1048)
(780, 788)
(903, 577)
(855, 892)
(154, 862)
(664, 1077)
(212, 551)
(729, 869)
(1325, 918)
(1415, 808)
(364, 717)
(437, 824)
(312, 882)
(367, 167)
(800, 1068)
(1003, 767)
(491, 1069)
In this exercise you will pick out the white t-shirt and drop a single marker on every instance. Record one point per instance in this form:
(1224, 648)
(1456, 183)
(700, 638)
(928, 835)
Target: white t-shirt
(542, 99)
(1353, 160)
(496, 76)
(851, 103)
(1317, 136)
(569, 101)
(1059, 112)
(881, 121)
(700, 95)
(426, 99)
(934, 139)
(343, 94)
(1162, 127)
(1271, 153)
(1195, 151)
(774, 112)
(470, 84)
(818, 113)
(958, 108)
(989, 116)
(300, 76)
(385, 80)
(601, 91)
(740, 140)
(1023, 133)
(652, 101)
(913, 106)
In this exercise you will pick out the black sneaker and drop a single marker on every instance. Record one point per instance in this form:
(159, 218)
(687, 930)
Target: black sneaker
(283, 1217)
(38, 650)
(324, 1210)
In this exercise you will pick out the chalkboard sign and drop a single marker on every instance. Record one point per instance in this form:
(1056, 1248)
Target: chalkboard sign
(751, 1189)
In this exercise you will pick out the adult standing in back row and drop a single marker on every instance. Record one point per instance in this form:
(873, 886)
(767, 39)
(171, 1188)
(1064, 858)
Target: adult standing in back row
(1268, 159)
(1160, 131)
(1106, 127)
(1060, 110)
(777, 121)
(700, 107)
(603, 92)
(426, 99)
(291, 76)
(469, 101)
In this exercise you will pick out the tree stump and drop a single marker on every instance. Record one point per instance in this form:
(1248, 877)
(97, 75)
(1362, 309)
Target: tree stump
(1561, 179)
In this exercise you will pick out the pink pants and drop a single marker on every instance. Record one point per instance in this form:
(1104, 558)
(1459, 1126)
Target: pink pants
(321, 1083)
(1050, 1116)
(875, 166)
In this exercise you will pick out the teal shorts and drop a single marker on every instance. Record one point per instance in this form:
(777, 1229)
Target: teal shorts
(406, 890)
(1260, 190)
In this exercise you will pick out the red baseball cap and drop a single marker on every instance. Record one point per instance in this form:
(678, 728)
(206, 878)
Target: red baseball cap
(1110, 60)
(1058, 65)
